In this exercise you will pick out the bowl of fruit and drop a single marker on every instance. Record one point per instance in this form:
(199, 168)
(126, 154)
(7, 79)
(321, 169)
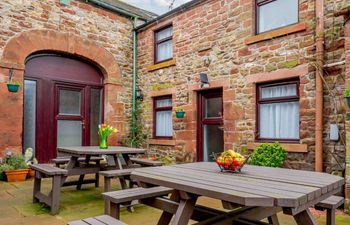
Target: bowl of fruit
(230, 161)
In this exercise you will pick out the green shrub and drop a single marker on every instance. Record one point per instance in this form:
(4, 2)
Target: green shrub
(347, 92)
(270, 155)
(17, 162)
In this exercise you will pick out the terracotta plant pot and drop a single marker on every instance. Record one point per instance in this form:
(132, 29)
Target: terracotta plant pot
(16, 175)
(31, 173)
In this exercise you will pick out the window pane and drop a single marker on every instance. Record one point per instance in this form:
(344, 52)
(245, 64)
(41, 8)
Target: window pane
(213, 107)
(164, 103)
(95, 115)
(70, 102)
(279, 120)
(69, 133)
(165, 50)
(213, 137)
(279, 91)
(277, 14)
(29, 114)
(164, 124)
(168, 32)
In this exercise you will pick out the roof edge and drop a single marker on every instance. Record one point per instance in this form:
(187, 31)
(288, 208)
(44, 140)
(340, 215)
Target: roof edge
(181, 8)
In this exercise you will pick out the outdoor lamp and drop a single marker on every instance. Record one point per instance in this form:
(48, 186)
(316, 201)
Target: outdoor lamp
(204, 80)
(139, 94)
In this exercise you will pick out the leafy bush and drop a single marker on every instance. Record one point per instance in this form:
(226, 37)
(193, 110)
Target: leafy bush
(16, 162)
(270, 155)
(347, 92)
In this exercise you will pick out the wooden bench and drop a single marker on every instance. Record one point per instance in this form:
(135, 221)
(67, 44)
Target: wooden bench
(146, 162)
(110, 174)
(97, 220)
(48, 171)
(330, 204)
(117, 198)
(63, 160)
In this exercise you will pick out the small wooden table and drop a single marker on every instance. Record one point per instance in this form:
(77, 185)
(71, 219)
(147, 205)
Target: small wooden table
(259, 192)
(113, 152)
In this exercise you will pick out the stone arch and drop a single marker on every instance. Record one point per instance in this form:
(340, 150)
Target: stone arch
(28, 42)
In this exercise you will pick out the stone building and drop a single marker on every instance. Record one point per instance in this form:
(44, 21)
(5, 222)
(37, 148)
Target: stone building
(243, 71)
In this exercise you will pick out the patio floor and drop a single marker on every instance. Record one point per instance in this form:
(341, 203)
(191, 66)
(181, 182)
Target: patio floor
(17, 208)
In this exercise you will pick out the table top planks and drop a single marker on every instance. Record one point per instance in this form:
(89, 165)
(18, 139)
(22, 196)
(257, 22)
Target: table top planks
(254, 186)
(95, 150)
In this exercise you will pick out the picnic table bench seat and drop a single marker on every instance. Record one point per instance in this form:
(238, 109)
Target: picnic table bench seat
(98, 220)
(110, 174)
(65, 159)
(126, 196)
(48, 171)
(330, 204)
(146, 162)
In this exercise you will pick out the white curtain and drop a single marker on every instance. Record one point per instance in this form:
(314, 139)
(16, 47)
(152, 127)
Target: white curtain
(278, 14)
(279, 120)
(165, 50)
(164, 124)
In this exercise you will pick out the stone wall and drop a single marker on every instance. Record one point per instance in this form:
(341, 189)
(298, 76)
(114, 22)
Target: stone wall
(215, 37)
(80, 29)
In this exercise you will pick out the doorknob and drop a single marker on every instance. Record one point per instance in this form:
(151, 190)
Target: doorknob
(221, 128)
(83, 124)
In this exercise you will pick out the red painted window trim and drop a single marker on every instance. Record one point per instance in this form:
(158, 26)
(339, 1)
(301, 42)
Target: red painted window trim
(260, 101)
(159, 109)
(259, 3)
(156, 43)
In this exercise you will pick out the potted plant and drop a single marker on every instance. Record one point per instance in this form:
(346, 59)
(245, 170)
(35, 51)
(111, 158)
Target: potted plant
(179, 112)
(347, 95)
(3, 168)
(270, 155)
(17, 169)
(12, 86)
(104, 131)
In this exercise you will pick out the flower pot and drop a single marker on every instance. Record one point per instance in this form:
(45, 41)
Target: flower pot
(16, 175)
(103, 143)
(31, 173)
(348, 101)
(180, 114)
(12, 87)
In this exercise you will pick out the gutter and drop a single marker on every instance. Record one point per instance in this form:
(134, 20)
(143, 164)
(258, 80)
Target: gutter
(133, 19)
(176, 10)
(319, 85)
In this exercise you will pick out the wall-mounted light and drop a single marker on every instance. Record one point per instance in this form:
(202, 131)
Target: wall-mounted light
(139, 94)
(204, 80)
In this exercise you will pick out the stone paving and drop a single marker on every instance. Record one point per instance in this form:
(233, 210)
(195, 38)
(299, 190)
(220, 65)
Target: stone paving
(16, 207)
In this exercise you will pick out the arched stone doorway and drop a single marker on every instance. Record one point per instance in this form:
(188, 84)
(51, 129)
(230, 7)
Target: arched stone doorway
(62, 104)
(32, 42)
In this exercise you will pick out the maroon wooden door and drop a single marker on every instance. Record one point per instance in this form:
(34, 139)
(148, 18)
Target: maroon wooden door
(210, 136)
(62, 104)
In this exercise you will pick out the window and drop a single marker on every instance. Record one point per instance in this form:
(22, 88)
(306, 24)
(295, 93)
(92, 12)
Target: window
(163, 123)
(278, 111)
(272, 14)
(163, 44)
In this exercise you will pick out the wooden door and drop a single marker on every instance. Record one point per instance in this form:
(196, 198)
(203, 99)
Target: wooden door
(210, 136)
(62, 104)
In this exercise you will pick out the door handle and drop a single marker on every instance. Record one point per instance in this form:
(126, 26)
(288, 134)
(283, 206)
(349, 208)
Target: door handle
(83, 124)
(221, 128)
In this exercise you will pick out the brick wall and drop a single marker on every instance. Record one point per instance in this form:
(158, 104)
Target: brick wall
(216, 31)
(82, 29)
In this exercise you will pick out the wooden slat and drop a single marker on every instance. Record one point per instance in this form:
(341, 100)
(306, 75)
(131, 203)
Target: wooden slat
(48, 169)
(96, 151)
(116, 173)
(204, 189)
(78, 222)
(146, 162)
(332, 202)
(109, 220)
(282, 198)
(93, 221)
(65, 159)
(135, 194)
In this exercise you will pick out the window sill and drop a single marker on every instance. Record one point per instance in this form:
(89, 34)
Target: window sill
(161, 142)
(161, 65)
(299, 148)
(276, 33)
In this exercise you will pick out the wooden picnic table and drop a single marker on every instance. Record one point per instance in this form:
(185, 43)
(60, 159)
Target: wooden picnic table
(255, 193)
(113, 153)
